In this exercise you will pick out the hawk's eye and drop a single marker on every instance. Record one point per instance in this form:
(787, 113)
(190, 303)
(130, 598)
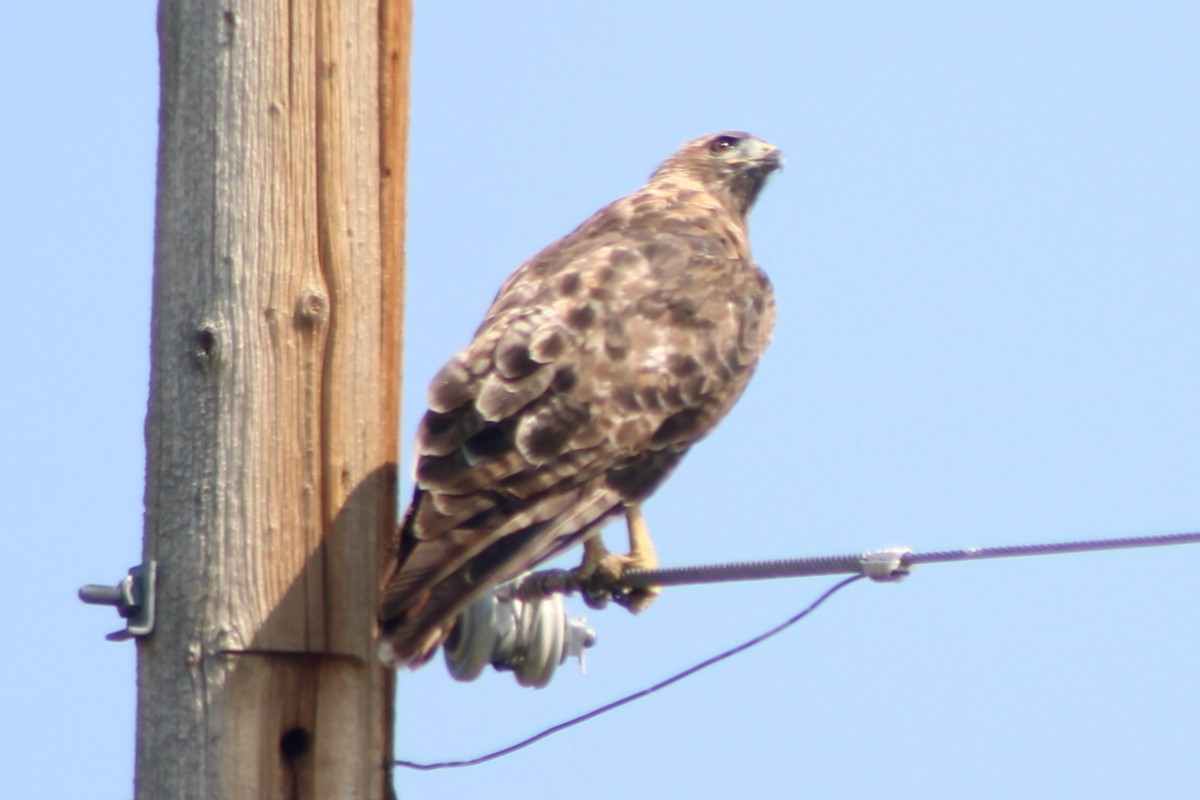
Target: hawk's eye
(723, 144)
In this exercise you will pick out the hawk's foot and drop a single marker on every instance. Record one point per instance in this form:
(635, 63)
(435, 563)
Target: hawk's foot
(601, 571)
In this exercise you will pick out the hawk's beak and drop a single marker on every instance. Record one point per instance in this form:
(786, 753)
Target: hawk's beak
(763, 154)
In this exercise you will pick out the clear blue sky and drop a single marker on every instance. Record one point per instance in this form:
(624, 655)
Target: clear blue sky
(986, 248)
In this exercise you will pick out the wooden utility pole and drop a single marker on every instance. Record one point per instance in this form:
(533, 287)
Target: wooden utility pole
(274, 400)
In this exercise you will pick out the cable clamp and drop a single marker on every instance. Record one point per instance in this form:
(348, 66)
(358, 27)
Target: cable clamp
(889, 565)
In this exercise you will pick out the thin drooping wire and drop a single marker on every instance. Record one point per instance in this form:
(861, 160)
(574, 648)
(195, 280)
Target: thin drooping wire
(708, 662)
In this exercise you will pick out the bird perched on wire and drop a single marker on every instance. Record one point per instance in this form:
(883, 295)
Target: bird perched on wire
(601, 361)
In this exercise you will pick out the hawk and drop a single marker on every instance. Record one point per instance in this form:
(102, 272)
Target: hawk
(601, 361)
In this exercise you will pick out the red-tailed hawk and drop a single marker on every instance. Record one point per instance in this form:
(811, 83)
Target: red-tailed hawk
(602, 360)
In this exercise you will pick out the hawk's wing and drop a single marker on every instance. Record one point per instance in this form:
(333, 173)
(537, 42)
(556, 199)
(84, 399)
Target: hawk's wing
(598, 365)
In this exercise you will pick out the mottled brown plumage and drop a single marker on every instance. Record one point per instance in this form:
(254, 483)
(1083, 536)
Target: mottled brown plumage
(601, 361)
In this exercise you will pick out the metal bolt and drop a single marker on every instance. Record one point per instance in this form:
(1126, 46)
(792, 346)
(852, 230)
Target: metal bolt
(133, 598)
(98, 595)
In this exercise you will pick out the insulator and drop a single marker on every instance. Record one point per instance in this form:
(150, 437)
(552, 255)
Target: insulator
(528, 637)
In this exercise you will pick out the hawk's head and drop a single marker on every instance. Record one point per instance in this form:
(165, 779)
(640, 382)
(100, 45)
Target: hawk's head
(732, 164)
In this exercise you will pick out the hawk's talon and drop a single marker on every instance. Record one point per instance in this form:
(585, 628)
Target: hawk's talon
(594, 590)
(601, 587)
(638, 600)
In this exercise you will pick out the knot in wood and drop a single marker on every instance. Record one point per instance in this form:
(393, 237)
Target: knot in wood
(208, 343)
(312, 309)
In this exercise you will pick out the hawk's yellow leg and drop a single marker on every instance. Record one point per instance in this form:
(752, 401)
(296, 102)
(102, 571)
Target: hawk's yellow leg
(603, 570)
